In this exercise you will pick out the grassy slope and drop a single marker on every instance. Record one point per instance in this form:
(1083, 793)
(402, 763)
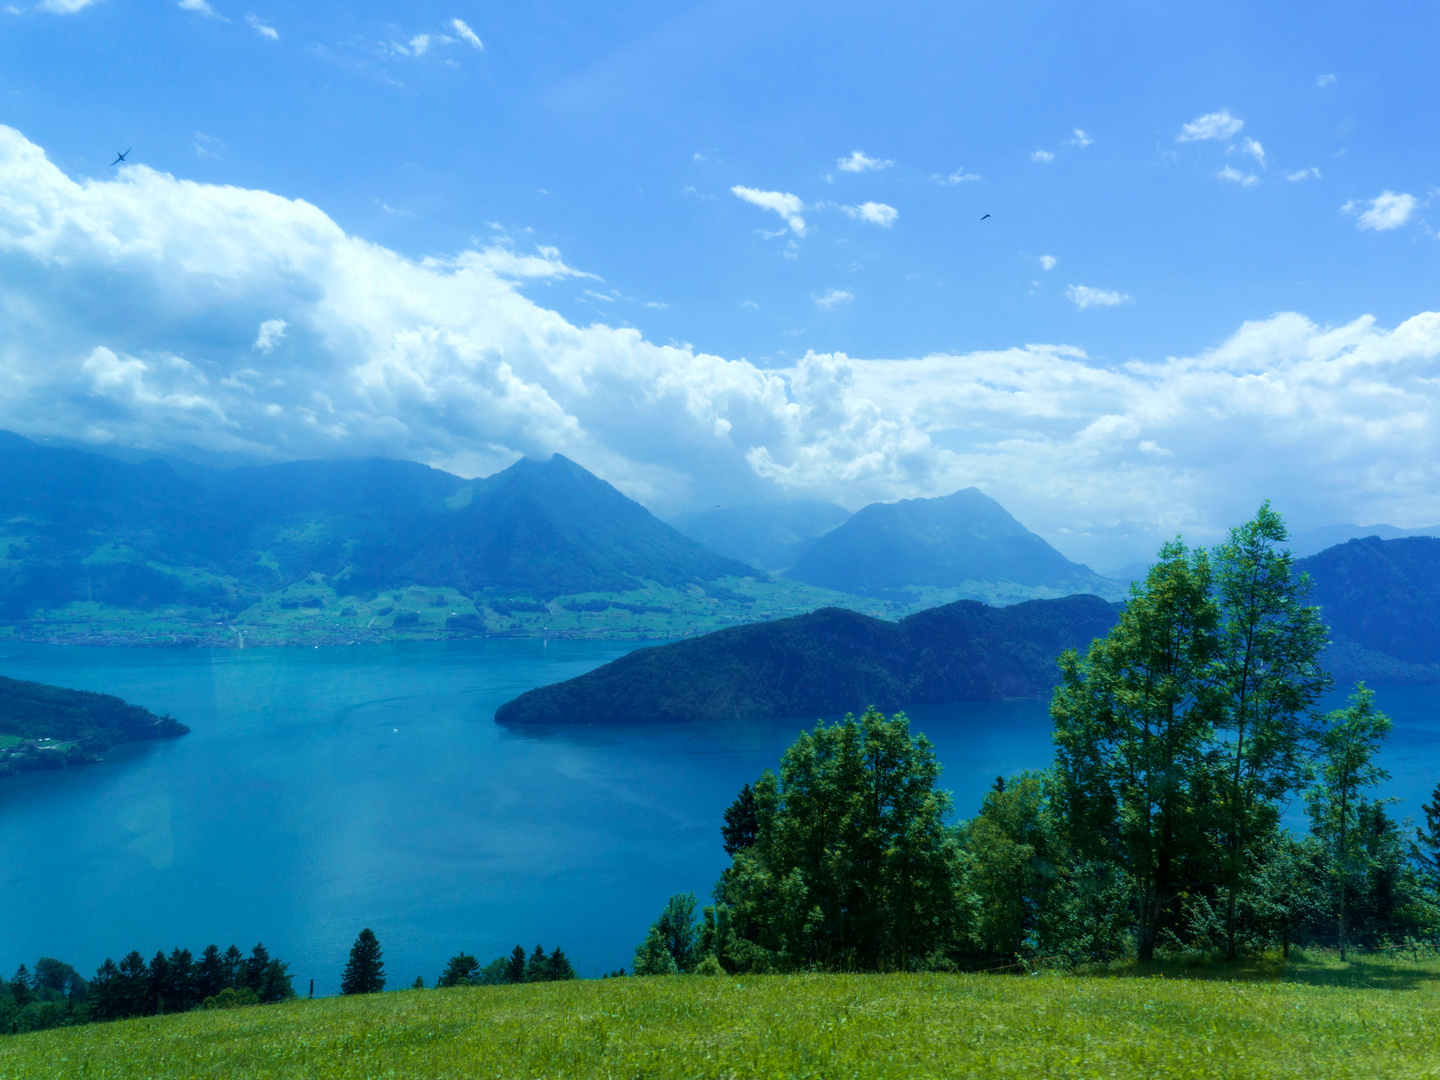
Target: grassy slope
(1308, 1024)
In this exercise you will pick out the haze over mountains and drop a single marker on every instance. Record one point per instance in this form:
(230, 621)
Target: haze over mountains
(770, 536)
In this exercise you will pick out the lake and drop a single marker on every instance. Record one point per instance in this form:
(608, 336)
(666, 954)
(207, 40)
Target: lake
(323, 790)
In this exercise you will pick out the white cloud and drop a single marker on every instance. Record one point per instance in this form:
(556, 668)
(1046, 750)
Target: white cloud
(1235, 176)
(959, 176)
(1081, 139)
(873, 212)
(1215, 125)
(201, 7)
(1042, 157)
(466, 34)
(271, 332)
(1083, 296)
(1254, 149)
(262, 29)
(1303, 174)
(787, 206)
(419, 45)
(1047, 262)
(1325, 80)
(63, 7)
(1386, 211)
(833, 298)
(446, 360)
(859, 161)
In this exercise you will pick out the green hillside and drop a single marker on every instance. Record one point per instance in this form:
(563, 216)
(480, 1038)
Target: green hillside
(1306, 1020)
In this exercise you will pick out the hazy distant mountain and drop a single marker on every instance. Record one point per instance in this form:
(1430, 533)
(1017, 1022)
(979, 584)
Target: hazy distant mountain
(830, 661)
(1381, 599)
(1314, 541)
(946, 543)
(770, 536)
(81, 526)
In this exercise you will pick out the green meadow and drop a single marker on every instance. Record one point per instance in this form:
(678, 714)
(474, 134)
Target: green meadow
(1310, 1018)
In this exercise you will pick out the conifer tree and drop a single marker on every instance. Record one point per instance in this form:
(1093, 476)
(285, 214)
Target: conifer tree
(210, 973)
(738, 830)
(157, 982)
(233, 969)
(515, 970)
(536, 968)
(254, 967)
(560, 967)
(134, 978)
(365, 971)
(459, 971)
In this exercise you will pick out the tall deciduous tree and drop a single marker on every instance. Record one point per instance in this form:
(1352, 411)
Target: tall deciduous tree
(1133, 726)
(1268, 678)
(1347, 744)
(365, 971)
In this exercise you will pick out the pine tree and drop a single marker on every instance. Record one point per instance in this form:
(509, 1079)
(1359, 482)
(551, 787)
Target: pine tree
(515, 971)
(107, 992)
(210, 973)
(365, 971)
(460, 971)
(560, 967)
(134, 979)
(536, 969)
(232, 972)
(20, 987)
(179, 990)
(275, 982)
(254, 968)
(157, 982)
(740, 822)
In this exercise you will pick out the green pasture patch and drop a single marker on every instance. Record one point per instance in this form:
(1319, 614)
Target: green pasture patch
(818, 1026)
(8, 741)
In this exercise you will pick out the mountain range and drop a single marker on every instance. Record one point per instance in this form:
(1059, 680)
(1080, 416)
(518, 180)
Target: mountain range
(770, 536)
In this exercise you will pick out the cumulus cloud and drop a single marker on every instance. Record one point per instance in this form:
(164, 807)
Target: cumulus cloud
(833, 298)
(1047, 262)
(959, 176)
(1235, 176)
(262, 29)
(466, 34)
(1215, 125)
(132, 304)
(873, 212)
(859, 161)
(1083, 296)
(787, 206)
(1254, 149)
(200, 7)
(271, 331)
(1080, 139)
(63, 7)
(1042, 157)
(1386, 211)
(1303, 174)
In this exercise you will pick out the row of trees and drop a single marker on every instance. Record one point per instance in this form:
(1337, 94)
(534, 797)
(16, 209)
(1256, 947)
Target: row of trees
(55, 994)
(1181, 738)
(365, 970)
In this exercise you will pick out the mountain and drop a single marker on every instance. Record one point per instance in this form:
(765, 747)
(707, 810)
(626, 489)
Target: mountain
(959, 540)
(770, 536)
(78, 527)
(829, 661)
(46, 727)
(1314, 541)
(1381, 599)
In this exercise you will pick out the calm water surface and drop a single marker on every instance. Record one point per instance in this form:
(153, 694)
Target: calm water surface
(323, 790)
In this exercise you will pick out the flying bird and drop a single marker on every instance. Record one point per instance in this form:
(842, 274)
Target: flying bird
(119, 158)
(983, 218)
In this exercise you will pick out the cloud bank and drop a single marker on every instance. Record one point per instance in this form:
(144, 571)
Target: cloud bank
(147, 310)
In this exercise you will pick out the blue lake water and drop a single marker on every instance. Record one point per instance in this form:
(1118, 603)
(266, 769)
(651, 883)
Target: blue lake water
(323, 790)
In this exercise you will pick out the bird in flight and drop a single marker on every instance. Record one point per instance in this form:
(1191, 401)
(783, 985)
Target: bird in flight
(119, 158)
(982, 219)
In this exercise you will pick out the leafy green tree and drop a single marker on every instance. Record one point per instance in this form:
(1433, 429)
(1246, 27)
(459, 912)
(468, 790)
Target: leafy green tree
(676, 929)
(1347, 744)
(1134, 722)
(1014, 862)
(461, 970)
(741, 822)
(59, 977)
(1268, 677)
(653, 956)
(853, 864)
(365, 971)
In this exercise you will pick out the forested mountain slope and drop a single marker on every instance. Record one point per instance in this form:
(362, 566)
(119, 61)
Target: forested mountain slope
(829, 661)
(49, 726)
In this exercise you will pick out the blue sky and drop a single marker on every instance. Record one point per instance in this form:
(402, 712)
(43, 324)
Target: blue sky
(757, 264)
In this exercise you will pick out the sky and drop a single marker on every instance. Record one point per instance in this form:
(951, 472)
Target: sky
(721, 253)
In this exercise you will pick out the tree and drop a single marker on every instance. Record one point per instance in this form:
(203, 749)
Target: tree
(365, 971)
(1425, 849)
(157, 982)
(210, 975)
(537, 968)
(1014, 859)
(1268, 677)
(738, 830)
(232, 968)
(515, 968)
(653, 957)
(275, 982)
(179, 987)
(676, 930)
(107, 992)
(252, 971)
(1347, 744)
(1133, 726)
(560, 966)
(460, 971)
(134, 980)
(853, 864)
(21, 988)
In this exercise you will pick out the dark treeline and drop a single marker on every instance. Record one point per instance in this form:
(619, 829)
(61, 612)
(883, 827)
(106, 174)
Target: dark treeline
(1181, 738)
(56, 995)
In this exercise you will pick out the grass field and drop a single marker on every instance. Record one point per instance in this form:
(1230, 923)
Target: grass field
(1370, 1019)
